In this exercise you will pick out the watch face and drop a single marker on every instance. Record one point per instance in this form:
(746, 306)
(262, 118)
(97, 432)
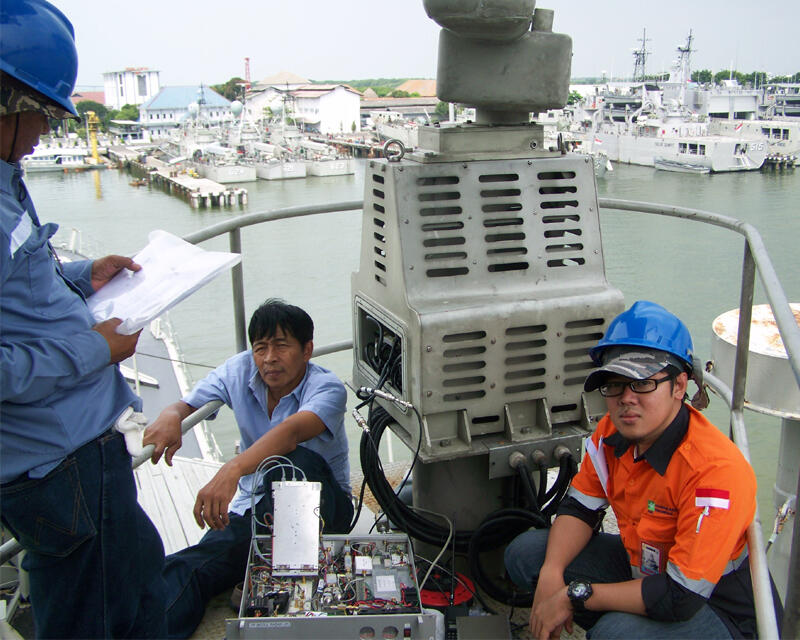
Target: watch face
(579, 590)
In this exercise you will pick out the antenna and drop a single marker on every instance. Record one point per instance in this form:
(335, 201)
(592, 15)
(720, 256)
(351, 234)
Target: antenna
(247, 74)
(640, 58)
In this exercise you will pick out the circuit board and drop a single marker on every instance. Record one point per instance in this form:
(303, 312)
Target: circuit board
(365, 584)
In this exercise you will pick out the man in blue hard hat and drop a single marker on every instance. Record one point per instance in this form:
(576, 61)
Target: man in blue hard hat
(67, 492)
(682, 493)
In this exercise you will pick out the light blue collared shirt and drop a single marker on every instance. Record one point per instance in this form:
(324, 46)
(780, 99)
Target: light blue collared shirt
(57, 389)
(238, 384)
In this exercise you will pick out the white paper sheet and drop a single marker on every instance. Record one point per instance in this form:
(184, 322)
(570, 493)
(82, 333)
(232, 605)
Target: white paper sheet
(172, 269)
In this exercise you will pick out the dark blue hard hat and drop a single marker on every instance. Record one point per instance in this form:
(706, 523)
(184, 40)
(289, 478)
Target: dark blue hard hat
(647, 324)
(37, 48)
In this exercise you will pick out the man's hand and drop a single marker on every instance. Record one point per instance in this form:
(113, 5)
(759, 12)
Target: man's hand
(211, 506)
(550, 584)
(121, 346)
(165, 435)
(550, 614)
(103, 269)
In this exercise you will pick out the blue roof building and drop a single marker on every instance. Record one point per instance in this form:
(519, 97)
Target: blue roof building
(170, 106)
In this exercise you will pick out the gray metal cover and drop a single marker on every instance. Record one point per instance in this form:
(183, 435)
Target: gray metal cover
(492, 273)
(295, 542)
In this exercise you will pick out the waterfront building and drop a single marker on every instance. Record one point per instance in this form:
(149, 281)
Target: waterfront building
(166, 110)
(133, 85)
(327, 108)
(265, 97)
(322, 108)
(128, 131)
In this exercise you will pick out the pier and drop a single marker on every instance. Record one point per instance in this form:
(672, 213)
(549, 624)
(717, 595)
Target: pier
(200, 192)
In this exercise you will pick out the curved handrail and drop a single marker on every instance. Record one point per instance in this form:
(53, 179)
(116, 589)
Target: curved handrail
(756, 260)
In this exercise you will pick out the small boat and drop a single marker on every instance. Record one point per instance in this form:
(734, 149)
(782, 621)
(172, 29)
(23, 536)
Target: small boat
(665, 164)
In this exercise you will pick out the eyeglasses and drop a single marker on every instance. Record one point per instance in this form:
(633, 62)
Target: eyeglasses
(613, 389)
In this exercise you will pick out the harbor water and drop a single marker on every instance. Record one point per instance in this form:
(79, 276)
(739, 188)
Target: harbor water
(308, 261)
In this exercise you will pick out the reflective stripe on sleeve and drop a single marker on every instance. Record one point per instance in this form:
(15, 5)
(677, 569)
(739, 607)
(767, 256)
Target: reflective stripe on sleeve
(734, 564)
(21, 233)
(702, 588)
(599, 461)
(590, 502)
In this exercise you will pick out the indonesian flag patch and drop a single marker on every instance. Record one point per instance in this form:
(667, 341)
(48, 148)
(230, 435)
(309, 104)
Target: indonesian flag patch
(718, 498)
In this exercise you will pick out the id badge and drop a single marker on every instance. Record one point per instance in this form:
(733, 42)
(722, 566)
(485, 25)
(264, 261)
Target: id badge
(651, 560)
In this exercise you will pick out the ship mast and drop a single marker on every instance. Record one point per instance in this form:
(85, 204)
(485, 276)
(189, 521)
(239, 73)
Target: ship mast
(640, 59)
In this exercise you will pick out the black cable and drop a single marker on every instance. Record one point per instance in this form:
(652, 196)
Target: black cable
(508, 523)
(415, 524)
(527, 485)
(567, 469)
(357, 513)
(542, 484)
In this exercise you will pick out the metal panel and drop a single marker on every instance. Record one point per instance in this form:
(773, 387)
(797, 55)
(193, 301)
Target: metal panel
(492, 274)
(295, 542)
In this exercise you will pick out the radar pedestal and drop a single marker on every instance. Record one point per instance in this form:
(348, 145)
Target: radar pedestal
(482, 283)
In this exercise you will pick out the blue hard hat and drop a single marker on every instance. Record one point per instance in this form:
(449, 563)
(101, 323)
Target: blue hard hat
(647, 324)
(37, 47)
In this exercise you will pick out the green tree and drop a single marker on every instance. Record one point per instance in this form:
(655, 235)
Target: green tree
(128, 112)
(725, 74)
(353, 126)
(442, 109)
(574, 97)
(233, 89)
(399, 94)
(703, 76)
(90, 105)
(100, 111)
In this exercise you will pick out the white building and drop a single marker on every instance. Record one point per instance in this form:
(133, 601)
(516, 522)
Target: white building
(170, 107)
(267, 95)
(328, 108)
(324, 108)
(130, 86)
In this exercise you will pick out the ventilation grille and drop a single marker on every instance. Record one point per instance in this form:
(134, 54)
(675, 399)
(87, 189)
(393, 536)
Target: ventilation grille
(504, 220)
(579, 337)
(442, 235)
(463, 362)
(524, 358)
(563, 244)
(380, 249)
(501, 206)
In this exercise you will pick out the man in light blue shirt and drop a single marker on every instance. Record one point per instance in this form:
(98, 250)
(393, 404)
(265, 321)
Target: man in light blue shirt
(67, 491)
(284, 405)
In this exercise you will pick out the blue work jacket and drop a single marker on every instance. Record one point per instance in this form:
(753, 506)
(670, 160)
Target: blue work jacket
(57, 389)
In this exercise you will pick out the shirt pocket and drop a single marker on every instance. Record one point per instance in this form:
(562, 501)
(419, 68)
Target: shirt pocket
(656, 533)
(50, 296)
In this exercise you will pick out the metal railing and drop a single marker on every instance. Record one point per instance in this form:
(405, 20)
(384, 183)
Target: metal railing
(756, 261)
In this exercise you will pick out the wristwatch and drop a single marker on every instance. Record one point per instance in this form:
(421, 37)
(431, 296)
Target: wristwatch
(578, 593)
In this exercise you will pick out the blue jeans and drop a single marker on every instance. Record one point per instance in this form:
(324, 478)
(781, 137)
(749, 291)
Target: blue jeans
(218, 562)
(93, 557)
(604, 559)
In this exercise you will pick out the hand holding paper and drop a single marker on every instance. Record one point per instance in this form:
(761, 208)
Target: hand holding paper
(172, 269)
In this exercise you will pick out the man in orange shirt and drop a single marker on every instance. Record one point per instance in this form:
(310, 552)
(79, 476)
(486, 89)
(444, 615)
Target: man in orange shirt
(682, 493)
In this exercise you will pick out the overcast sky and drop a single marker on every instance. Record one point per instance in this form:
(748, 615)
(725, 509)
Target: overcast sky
(193, 41)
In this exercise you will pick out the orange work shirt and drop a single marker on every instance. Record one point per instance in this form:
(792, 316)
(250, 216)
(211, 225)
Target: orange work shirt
(690, 521)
